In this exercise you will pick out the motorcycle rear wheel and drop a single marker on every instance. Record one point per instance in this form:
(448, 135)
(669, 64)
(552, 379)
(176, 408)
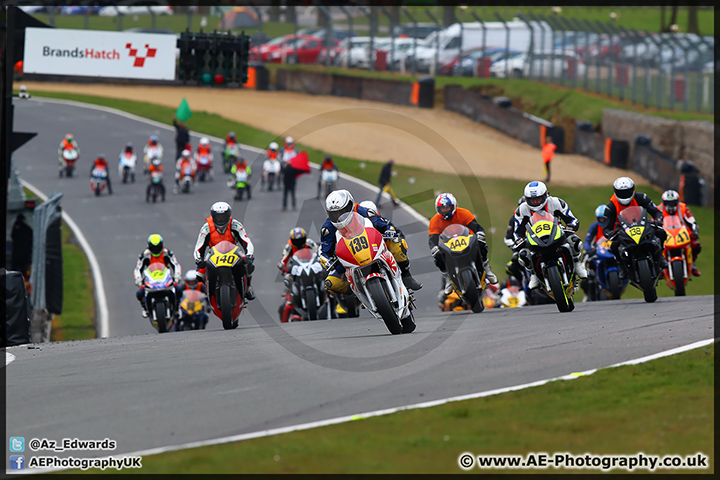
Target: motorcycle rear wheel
(678, 275)
(226, 307)
(557, 289)
(646, 280)
(160, 315)
(377, 292)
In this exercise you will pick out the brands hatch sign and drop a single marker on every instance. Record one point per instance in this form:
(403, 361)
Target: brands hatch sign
(95, 53)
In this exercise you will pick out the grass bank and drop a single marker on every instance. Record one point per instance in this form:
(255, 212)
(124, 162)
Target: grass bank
(77, 320)
(419, 187)
(660, 407)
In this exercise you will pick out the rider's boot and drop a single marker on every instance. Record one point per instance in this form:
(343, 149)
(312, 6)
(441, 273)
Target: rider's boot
(407, 277)
(489, 275)
(249, 293)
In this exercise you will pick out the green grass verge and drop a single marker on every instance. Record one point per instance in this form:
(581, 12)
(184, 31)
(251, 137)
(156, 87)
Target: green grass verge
(638, 18)
(77, 320)
(476, 193)
(660, 407)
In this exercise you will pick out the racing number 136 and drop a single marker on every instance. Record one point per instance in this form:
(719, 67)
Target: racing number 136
(358, 244)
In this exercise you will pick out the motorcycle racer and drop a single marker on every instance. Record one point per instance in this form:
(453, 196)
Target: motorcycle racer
(671, 205)
(155, 252)
(101, 163)
(67, 143)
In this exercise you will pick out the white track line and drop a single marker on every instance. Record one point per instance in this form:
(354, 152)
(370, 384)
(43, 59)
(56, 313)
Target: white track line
(387, 411)
(9, 357)
(103, 320)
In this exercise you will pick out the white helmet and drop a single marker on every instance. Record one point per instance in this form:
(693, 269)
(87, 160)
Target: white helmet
(670, 200)
(337, 204)
(191, 277)
(536, 195)
(289, 140)
(624, 189)
(204, 141)
(273, 146)
(185, 153)
(369, 205)
(221, 214)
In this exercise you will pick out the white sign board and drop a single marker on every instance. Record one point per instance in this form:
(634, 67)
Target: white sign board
(98, 53)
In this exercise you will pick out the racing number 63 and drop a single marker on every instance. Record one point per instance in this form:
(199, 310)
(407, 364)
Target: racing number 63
(358, 244)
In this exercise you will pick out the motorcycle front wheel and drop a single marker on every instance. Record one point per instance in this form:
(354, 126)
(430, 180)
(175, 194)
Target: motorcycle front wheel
(678, 274)
(471, 292)
(310, 305)
(646, 281)
(160, 316)
(613, 284)
(558, 291)
(226, 307)
(377, 292)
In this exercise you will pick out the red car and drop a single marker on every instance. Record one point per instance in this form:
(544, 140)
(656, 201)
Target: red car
(265, 51)
(301, 50)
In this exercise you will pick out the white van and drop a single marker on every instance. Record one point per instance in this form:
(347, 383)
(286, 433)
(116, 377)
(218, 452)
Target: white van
(495, 33)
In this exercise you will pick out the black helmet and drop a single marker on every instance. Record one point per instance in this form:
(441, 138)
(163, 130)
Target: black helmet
(129, 147)
(221, 214)
(231, 135)
(298, 237)
(155, 244)
(328, 157)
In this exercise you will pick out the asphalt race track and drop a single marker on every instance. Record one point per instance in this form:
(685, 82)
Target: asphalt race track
(146, 390)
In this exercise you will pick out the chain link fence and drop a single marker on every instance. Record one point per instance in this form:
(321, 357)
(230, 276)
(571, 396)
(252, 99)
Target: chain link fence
(671, 71)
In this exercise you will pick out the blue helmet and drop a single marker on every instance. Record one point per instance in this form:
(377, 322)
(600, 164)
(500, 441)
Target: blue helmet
(446, 205)
(600, 211)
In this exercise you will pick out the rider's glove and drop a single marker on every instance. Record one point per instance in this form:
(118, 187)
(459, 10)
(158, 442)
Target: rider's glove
(200, 263)
(249, 259)
(138, 281)
(391, 234)
(517, 245)
(509, 242)
(480, 236)
(574, 225)
(280, 266)
(435, 251)
(325, 260)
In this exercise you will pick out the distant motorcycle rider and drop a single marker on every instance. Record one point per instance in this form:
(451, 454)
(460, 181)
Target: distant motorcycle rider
(298, 240)
(328, 164)
(192, 283)
(625, 196)
(271, 165)
(181, 164)
(67, 143)
(241, 164)
(101, 163)
(448, 213)
(218, 227)
(151, 149)
(156, 253)
(339, 203)
(538, 199)
(671, 205)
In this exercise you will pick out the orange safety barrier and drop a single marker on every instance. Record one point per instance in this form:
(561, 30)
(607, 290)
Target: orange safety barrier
(608, 145)
(415, 95)
(252, 78)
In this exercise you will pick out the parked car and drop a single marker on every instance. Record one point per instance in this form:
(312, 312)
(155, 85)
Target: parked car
(422, 30)
(468, 65)
(113, 11)
(300, 50)
(548, 64)
(264, 51)
(353, 49)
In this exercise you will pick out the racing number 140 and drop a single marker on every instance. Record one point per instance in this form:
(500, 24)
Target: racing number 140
(358, 244)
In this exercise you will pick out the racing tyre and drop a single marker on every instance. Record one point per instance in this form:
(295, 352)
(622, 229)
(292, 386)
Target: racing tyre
(160, 315)
(561, 299)
(310, 305)
(226, 307)
(97, 189)
(408, 323)
(375, 287)
(467, 282)
(646, 281)
(613, 284)
(678, 274)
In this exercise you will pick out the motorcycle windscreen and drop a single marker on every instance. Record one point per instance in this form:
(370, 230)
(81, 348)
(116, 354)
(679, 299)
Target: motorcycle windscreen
(632, 215)
(192, 301)
(454, 230)
(672, 222)
(542, 225)
(677, 232)
(304, 255)
(159, 275)
(353, 225)
(355, 245)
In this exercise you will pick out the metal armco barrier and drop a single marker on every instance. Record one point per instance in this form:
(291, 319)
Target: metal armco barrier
(519, 125)
(46, 272)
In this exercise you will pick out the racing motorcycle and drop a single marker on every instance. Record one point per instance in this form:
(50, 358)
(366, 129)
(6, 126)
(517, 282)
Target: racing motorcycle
(329, 181)
(226, 282)
(460, 248)
(240, 183)
(344, 305)
(230, 155)
(67, 162)
(604, 280)
(155, 187)
(186, 174)
(373, 273)
(160, 296)
(151, 154)
(204, 166)
(678, 253)
(126, 167)
(552, 259)
(307, 288)
(636, 250)
(511, 295)
(98, 180)
(271, 172)
(192, 309)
